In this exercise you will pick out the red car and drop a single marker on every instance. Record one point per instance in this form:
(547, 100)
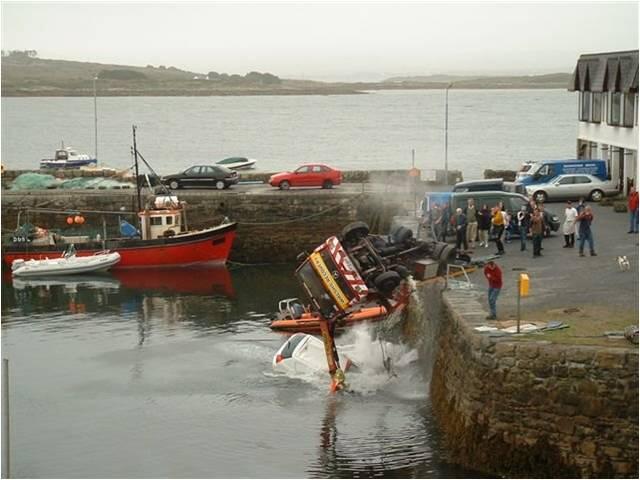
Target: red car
(309, 175)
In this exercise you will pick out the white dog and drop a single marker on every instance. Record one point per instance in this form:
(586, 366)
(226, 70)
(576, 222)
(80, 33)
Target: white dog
(623, 263)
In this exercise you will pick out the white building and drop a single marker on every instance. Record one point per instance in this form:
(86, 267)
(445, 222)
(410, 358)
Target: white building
(608, 112)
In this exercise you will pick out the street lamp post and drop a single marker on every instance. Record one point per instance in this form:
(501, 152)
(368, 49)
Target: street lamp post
(446, 134)
(95, 116)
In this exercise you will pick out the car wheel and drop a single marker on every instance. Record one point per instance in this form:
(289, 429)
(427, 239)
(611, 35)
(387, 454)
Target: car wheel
(285, 185)
(540, 197)
(354, 232)
(386, 282)
(327, 184)
(220, 185)
(596, 195)
(174, 185)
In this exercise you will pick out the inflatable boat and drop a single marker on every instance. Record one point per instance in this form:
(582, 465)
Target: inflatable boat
(294, 317)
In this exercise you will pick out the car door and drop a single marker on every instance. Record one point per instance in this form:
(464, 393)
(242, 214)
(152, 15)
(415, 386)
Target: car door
(208, 175)
(318, 176)
(561, 188)
(191, 177)
(582, 186)
(301, 177)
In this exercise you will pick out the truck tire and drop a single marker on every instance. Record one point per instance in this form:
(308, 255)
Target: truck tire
(354, 232)
(387, 282)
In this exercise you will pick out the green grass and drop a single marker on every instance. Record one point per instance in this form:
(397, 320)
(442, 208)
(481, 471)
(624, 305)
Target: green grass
(587, 325)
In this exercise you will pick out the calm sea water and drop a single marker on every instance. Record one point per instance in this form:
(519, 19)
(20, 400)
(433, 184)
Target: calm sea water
(168, 374)
(487, 129)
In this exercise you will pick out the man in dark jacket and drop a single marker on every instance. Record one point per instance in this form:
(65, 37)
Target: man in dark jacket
(461, 229)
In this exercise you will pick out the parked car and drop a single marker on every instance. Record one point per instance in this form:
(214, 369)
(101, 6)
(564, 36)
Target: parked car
(572, 187)
(202, 176)
(491, 184)
(309, 175)
(511, 201)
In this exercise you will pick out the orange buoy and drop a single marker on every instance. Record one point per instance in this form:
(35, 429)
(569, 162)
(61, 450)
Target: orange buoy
(79, 219)
(69, 220)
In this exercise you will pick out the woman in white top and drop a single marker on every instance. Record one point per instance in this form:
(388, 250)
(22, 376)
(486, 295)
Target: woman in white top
(569, 226)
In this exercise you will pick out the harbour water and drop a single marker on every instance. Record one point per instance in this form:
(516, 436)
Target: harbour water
(168, 374)
(487, 129)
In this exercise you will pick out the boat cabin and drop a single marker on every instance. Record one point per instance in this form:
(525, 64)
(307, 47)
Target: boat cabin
(165, 218)
(69, 153)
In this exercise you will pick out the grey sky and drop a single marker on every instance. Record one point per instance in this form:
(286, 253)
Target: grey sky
(324, 40)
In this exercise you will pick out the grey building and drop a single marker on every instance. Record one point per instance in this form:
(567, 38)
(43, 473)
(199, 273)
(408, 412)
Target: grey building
(608, 112)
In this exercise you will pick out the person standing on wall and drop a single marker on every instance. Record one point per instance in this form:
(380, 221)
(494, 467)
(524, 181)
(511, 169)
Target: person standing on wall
(484, 224)
(586, 235)
(461, 229)
(497, 228)
(472, 223)
(523, 226)
(494, 276)
(569, 225)
(633, 210)
(537, 229)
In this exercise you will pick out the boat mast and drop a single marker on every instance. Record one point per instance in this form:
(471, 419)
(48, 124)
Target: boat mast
(135, 153)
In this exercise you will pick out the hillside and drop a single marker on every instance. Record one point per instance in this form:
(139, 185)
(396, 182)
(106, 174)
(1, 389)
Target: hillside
(23, 74)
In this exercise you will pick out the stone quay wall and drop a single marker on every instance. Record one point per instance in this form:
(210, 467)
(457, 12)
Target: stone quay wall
(523, 408)
(272, 227)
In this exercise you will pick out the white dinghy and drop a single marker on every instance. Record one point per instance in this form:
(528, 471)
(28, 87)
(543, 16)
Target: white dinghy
(68, 264)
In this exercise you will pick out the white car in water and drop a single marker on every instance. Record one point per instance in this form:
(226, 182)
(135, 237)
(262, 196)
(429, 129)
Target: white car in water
(303, 353)
(572, 187)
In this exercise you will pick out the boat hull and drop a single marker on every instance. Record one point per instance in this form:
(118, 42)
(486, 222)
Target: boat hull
(310, 322)
(66, 266)
(68, 163)
(206, 247)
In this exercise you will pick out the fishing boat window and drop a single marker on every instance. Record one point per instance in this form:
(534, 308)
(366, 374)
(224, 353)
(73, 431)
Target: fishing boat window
(156, 220)
(169, 220)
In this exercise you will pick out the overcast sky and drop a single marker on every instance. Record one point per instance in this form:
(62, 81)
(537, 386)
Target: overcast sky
(324, 40)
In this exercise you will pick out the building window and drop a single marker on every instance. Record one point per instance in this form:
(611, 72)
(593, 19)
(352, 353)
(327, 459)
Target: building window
(629, 104)
(585, 109)
(616, 107)
(156, 220)
(596, 108)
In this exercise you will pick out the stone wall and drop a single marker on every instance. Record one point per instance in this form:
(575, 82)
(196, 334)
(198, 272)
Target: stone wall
(271, 227)
(533, 408)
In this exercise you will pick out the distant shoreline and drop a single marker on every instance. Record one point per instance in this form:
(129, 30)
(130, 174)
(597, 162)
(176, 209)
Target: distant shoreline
(19, 93)
(26, 75)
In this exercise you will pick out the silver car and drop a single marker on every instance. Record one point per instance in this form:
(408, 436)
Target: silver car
(572, 187)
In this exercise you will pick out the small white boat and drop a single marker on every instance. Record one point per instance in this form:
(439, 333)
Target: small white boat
(237, 163)
(67, 157)
(68, 264)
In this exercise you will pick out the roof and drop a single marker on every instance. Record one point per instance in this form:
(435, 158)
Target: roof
(606, 72)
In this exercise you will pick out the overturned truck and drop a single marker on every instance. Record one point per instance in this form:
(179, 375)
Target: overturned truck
(357, 268)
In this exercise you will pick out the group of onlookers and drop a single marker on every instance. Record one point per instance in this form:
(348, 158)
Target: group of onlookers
(487, 224)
